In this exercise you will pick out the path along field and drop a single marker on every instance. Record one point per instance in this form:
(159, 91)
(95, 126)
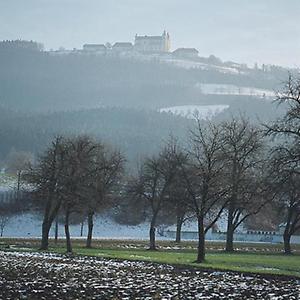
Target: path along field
(125, 270)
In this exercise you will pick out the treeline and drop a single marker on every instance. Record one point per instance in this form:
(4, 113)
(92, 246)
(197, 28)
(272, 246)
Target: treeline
(33, 80)
(228, 166)
(21, 46)
(138, 132)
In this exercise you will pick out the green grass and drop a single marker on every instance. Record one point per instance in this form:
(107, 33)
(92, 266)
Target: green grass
(262, 258)
(252, 262)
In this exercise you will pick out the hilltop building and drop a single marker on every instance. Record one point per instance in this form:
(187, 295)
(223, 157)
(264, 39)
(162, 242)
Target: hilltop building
(122, 47)
(94, 48)
(21, 44)
(143, 44)
(186, 53)
(154, 44)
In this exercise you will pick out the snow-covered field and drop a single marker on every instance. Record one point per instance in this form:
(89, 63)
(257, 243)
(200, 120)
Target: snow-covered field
(205, 112)
(26, 275)
(28, 225)
(7, 183)
(230, 89)
(190, 64)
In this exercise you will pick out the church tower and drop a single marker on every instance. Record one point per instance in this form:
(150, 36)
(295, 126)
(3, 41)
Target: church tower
(166, 41)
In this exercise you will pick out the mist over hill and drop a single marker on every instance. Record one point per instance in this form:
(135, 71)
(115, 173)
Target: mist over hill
(32, 80)
(118, 98)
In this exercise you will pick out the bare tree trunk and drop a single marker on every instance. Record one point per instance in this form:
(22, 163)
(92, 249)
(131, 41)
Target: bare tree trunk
(229, 239)
(18, 184)
(45, 235)
(49, 216)
(178, 229)
(287, 241)
(90, 229)
(81, 228)
(67, 232)
(152, 238)
(152, 233)
(201, 240)
(230, 228)
(56, 231)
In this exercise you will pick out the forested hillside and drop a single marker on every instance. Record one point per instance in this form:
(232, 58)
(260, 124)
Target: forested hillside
(135, 132)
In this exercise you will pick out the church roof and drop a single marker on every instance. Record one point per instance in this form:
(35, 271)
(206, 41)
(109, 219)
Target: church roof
(186, 50)
(146, 37)
(93, 46)
(122, 44)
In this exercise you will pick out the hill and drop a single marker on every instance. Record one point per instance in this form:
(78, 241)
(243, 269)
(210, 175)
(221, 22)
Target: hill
(34, 80)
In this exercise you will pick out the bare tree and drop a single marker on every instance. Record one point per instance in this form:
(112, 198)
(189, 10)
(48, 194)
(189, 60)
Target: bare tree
(289, 124)
(178, 203)
(242, 146)
(203, 175)
(45, 179)
(108, 166)
(285, 182)
(286, 129)
(286, 158)
(153, 181)
(17, 162)
(79, 159)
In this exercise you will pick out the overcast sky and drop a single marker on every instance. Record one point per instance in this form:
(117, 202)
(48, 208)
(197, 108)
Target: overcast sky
(263, 31)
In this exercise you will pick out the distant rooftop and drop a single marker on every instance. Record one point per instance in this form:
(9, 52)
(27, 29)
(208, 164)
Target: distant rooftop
(123, 44)
(151, 37)
(94, 46)
(191, 50)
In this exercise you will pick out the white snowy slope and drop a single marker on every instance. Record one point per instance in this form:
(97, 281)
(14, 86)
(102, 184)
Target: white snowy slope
(7, 183)
(230, 89)
(190, 64)
(29, 225)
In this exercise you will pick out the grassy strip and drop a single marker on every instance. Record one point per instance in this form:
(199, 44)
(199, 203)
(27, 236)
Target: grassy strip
(245, 260)
(142, 244)
(249, 263)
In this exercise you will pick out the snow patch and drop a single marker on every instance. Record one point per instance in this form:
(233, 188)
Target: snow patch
(230, 89)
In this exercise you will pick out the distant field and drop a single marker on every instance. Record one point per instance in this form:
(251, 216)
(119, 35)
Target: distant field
(249, 257)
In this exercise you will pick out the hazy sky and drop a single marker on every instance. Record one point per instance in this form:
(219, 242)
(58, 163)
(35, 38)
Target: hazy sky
(266, 31)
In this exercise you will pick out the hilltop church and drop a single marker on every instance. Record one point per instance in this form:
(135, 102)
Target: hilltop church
(144, 45)
(149, 44)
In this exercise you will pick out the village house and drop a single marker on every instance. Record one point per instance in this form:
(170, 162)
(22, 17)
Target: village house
(122, 47)
(94, 48)
(186, 53)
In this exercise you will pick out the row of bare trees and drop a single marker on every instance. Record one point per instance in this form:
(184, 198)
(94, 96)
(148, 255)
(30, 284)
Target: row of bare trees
(75, 175)
(231, 168)
(222, 170)
(226, 169)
